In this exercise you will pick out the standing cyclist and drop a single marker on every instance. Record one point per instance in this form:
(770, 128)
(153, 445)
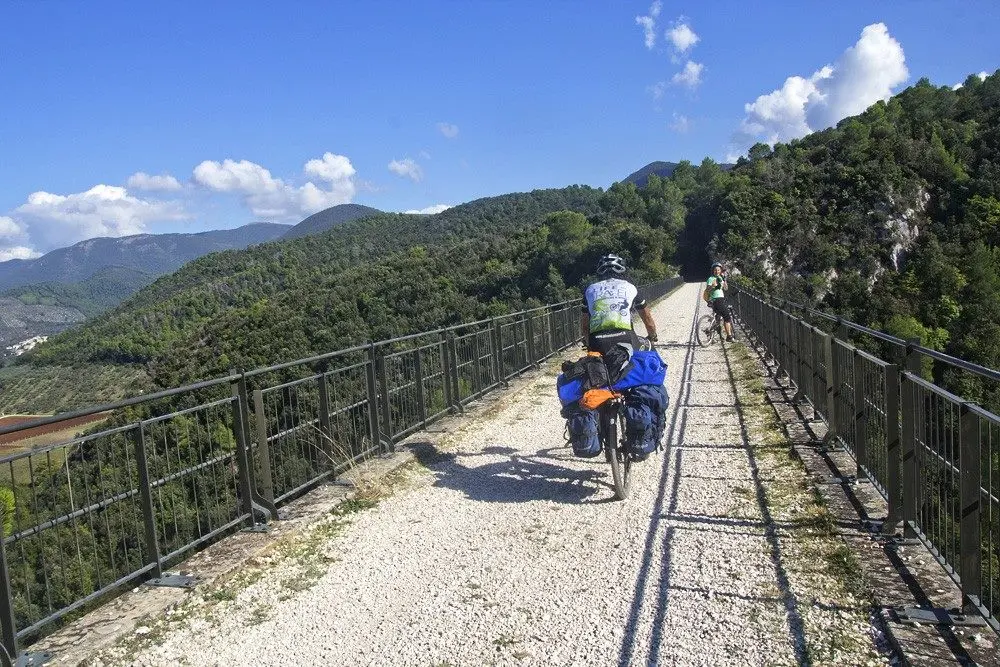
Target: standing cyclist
(607, 315)
(717, 298)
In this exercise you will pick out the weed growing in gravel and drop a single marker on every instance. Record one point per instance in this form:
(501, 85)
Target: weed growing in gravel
(506, 640)
(259, 614)
(820, 566)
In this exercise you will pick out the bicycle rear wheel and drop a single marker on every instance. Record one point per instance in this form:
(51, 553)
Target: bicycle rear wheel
(705, 330)
(621, 463)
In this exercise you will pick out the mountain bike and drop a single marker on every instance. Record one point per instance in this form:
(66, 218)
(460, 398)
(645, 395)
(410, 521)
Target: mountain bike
(709, 328)
(611, 428)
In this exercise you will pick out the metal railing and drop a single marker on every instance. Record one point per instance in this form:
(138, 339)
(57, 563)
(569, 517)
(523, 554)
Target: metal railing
(156, 477)
(932, 455)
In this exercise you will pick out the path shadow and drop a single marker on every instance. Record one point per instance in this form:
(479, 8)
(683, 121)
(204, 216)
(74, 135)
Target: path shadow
(517, 478)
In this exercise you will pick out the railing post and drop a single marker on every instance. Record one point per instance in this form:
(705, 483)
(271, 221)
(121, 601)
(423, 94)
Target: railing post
(374, 430)
(146, 494)
(530, 335)
(970, 527)
(831, 379)
(242, 456)
(385, 420)
(860, 418)
(497, 350)
(456, 381)
(266, 481)
(445, 370)
(891, 376)
(418, 370)
(914, 359)
(911, 473)
(326, 432)
(8, 627)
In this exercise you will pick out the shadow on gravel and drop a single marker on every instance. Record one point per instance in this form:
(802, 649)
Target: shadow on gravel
(519, 479)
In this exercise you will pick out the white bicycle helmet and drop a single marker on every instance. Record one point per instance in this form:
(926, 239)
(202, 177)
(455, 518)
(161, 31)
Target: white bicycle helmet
(611, 265)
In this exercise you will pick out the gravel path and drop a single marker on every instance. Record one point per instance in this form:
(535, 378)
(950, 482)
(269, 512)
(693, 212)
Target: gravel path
(511, 552)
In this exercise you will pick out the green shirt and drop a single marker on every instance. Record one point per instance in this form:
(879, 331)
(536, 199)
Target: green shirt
(715, 283)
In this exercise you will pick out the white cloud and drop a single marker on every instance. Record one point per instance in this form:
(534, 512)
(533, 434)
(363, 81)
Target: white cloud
(690, 76)
(10, 230)
(143, 181)
(430, 210)
(272, 198)
(657, 89)
(681, 36)
(407, 168)
(18, 252)
(424, 155)
(862, 75)
(648, 23)
(680, 124)
(449, 130)
(52, 221)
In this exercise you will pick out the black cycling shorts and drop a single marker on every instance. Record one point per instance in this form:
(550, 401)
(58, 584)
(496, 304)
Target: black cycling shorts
(603, 341)
(721, 307)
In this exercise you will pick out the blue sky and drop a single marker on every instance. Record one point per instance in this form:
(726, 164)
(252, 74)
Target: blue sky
(119, 118)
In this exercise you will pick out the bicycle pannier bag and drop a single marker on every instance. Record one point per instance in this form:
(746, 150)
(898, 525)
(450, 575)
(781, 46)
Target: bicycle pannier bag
(646, 367)
(645, 417)
(581, 427)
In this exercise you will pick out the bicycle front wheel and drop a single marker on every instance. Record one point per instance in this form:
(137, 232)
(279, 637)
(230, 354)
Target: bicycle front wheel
(621, 464)
(705, 330)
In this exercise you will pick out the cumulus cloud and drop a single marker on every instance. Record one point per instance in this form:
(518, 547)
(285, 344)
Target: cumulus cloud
(10, 230)
(143, 181)
(648, 23)
(690, 76)
(680, 123)
(430, 210)
(681, 36)
(52, 220)
(407, 168)
(449, 130)
(17, 252)
(862, 75)
(273, 198)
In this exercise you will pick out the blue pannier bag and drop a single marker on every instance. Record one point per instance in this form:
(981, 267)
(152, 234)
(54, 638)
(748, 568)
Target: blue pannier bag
(581, 426)
(647, 368)
(570, 391)
(645, 418)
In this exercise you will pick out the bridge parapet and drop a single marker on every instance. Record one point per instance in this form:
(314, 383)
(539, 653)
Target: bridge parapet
(933, 455)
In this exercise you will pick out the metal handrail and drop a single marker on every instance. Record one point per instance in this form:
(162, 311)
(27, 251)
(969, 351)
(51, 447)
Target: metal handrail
(933, 455)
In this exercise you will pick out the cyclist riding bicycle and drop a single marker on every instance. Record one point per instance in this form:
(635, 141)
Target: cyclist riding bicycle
(716, 297)
(606, 319)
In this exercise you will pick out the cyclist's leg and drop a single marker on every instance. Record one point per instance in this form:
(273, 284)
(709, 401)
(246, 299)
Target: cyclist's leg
(722, 308)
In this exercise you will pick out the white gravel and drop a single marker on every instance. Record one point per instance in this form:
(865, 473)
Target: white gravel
(514, 553)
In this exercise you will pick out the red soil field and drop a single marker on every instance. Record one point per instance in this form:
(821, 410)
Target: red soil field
(42, 430)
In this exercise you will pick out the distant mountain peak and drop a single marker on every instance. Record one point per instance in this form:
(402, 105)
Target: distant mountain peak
(641, 177)
(320, 222)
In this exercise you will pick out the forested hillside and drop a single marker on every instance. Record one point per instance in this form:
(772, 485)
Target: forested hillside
(891, 219)
(372, 279)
